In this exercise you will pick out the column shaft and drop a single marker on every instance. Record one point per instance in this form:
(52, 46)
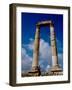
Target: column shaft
(53, 46)
(36, 48)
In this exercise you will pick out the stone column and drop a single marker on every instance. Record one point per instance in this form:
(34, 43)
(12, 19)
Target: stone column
(36, 49)
(53, 46)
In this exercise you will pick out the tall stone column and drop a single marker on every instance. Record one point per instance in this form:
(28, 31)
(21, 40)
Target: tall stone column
(35, 66)
(53, 46)
(55, 69)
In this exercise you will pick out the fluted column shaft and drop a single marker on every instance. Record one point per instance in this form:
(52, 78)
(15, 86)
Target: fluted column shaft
(53, 46)
(36, 48)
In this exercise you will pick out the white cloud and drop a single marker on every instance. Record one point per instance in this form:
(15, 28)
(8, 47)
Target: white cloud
(25, 55)
(30, 46)
(45, 54)
(26, 60)
(31, 39)
(45, 57)
(45, 50)
(48, 67)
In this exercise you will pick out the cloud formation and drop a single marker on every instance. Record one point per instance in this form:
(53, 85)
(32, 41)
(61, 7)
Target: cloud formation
(45, 55)
(26, 60)
(45, 50)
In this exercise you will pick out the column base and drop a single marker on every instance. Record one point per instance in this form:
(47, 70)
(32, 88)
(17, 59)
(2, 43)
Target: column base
(56, 70)
(35, 71)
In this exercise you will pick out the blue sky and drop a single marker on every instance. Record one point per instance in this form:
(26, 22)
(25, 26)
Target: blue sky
(28, 22)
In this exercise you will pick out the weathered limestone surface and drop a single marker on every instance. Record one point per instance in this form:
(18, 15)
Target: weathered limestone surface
(53, 46)
(42, 23)
(55, 66)
(35, 65)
